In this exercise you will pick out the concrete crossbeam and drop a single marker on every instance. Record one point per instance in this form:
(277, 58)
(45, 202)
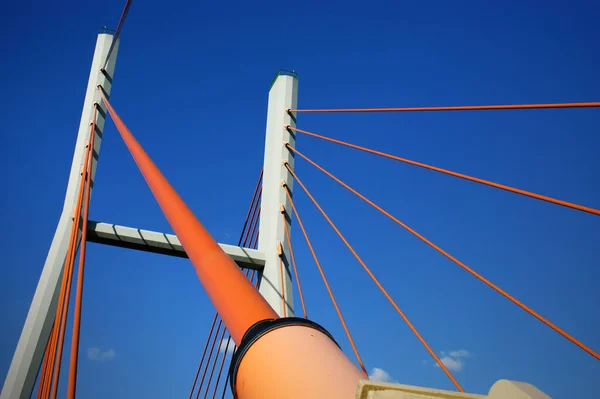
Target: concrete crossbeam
(161, 243)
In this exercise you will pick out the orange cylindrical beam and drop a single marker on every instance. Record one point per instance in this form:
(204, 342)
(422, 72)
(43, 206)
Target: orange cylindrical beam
(291, 361)
(296, 362)
(237, 301)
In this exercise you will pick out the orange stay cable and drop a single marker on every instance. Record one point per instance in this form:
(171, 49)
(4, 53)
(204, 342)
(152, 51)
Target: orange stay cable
(51, 363)
(250, 238)
(55, 358)
(70, 263)
(44, 388)
(252, 204)
(61, 320)
(249, 218)
(46, 366)
(45, 359)
(216, 359)
(252, 216)
(283, 304)
(335, 305)
(238, 303)
(80, 271)
(280, 253)
(255, 241)
(63, 306)
(465, 267)
(221, 370)
(234, 348)
(253, 219)
(214, 363)
(222, 364)
(383, 290)
(212, 327)
(456, 108)
(289, 241)
(217, 356)
(455, 174)
(212, 348)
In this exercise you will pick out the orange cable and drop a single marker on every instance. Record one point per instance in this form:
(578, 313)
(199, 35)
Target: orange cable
(62, 310)
(221, 369)
(280, 256)
(216, 359)
(44, 388)
(253, 217)
(70, 262)
(45, 359)
(203, 354)
(465, 267)
(255, 227)
(283, 304)
(456, 108)
(455, 174)
(234, 346)
(289, 240)
(245, 229)
(54, 336)
(383, 290)
(335, 305)
(46, 368)
(255, 244)
(252, 204)
(61, 321)
(80, 271)
(212, 348)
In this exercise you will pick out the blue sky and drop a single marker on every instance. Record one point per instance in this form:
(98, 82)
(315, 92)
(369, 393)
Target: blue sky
(192, 81)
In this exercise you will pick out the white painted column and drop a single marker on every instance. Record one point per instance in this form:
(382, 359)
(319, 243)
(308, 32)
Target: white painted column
(283, 94)
(28, 355)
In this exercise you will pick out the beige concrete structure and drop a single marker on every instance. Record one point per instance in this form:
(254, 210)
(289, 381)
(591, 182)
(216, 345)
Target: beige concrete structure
(502, 389)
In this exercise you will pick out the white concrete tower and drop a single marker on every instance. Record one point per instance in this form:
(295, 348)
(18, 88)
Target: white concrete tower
(282, 95)
(28, 355)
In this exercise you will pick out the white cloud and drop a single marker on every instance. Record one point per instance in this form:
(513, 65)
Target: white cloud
(452, 364)
(224, 346)
(381, 375)
(98, 354)
(459, 353)
(454, 360)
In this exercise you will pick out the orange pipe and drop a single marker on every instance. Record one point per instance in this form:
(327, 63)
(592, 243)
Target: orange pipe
(236, 300)
(456, 108)
(296, 362)
(292, 361)
(80, 270)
